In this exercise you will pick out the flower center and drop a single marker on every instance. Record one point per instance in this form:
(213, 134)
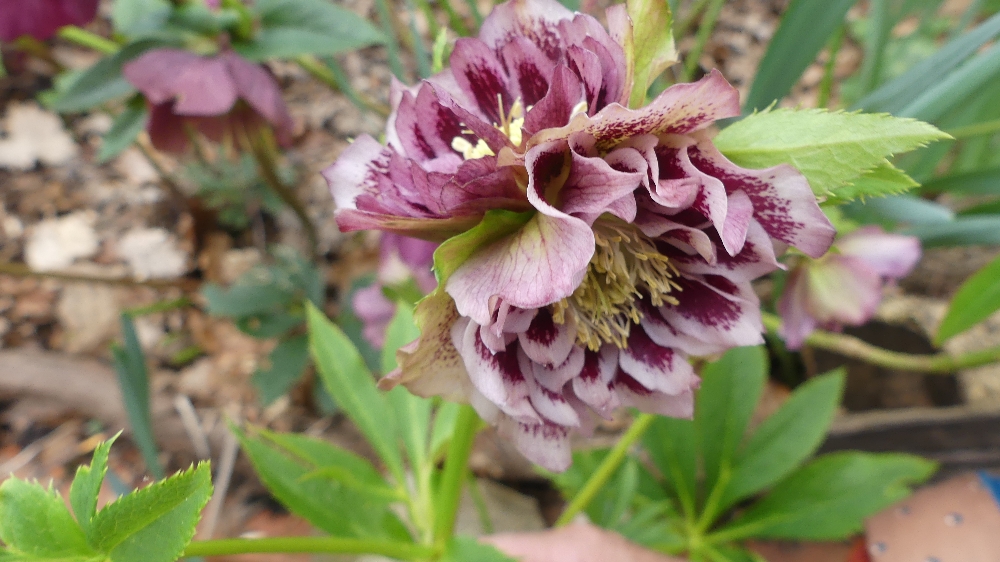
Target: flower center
(626, 268)
(510, 125)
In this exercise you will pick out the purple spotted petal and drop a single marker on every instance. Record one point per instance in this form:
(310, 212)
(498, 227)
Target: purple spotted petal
(713, 314)
(656, 368)
(783, 202)
(546, 444)
(593, 386)
(556, 107)
(497, 376)
(546, 342)
(536, 20)
(432, 365)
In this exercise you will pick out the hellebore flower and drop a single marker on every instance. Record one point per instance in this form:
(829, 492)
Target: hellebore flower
(217, 96)
(401, 260)
(845, 286)
(42, 18)
(595, 247)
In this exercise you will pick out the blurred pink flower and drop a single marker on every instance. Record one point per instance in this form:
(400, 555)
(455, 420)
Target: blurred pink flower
(628, 243)
(401, 259)
(845, 286)
(42, 18)
(218, 95)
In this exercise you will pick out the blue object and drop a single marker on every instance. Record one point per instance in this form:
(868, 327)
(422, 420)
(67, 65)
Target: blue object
(992, 484)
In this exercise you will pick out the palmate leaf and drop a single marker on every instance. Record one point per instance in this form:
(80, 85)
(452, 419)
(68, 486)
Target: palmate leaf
(832, 149)
(35, 524)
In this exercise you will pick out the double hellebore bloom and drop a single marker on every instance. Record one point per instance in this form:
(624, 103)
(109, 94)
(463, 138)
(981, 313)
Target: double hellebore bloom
(845, 286)
(401, 260)
(218, 96)
(593, 248)
(42, 18)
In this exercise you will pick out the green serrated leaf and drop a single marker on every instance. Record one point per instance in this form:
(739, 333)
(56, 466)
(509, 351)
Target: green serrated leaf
(352, 385)
(35, 524)
(976, 300)
(805, 28)
(730, 390)
(830, 148)
(123, 131)
(785, 439)
(287, 362)
(293, 466)
(881, 181)
(653, 40)
(830, 498)
(155, 523)
(87, 485)
(467, 549)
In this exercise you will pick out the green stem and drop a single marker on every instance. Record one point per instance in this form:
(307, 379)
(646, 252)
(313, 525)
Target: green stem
(263, 151)
(710, 512)
(455, 473)
(850, 346)
(689, 18)
(393, 34)
(158, 307)
(480, 502)
(22, 270)
(331, 545)
(606, 469)
(826, 85)
(87, 39)
(704, 33)
(977, 130)
(880, 26)
(334, 77)
(454, 19)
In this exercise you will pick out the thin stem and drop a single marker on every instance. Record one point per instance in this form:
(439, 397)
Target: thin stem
(850, 346)
(454, 476)
(704, 33)
(262, 149)
(87, 39)
(432, 25)
(689, 18)
(710, 512)
(333, 76)
(167, 180)
(606, 469)
(392, 45)
(22, 270)
(880, 25)
(454, 19)
(480, 502)
(158, 307)
(977, 130)
(331, 545)
(826, 85)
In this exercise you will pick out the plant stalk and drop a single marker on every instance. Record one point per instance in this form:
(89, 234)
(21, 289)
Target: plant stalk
(89, 40)
(606, 469)
(850, 346)
(22, 270)
(262, 149)
(331, 545)
(455, 473)
(704, 34)
(976, 130)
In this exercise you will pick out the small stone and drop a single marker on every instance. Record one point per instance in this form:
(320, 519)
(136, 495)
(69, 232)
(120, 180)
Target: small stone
(56, 243)
(152, 253)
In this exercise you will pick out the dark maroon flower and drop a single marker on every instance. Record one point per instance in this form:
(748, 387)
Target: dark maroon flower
(42, 18)
(218, 96)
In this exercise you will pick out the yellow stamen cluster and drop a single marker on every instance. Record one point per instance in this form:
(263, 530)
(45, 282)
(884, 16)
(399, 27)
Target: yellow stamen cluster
(510, 125)
(626, 267)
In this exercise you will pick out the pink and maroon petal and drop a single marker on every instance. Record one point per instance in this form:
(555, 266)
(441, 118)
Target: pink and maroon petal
(633, 394)
(556, 107)
(594, 383)
(657, 368)
(479, 72)
(529, 68)
(546, 342)
(783, 202)
(203, 87)
(889, 255)
(545, 444)
(793, 306)
(431, 365)
(155, 73)
(756, 259)
(595, 184)
(555, 378)
(497, 376)
(536, 20)
(843, 290)
(256, 86)
(375, 312)
(714, 311)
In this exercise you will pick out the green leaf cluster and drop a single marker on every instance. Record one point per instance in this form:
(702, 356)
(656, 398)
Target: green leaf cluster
(151, 524)
(700, 470)
(268, 302)
(843, 155)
